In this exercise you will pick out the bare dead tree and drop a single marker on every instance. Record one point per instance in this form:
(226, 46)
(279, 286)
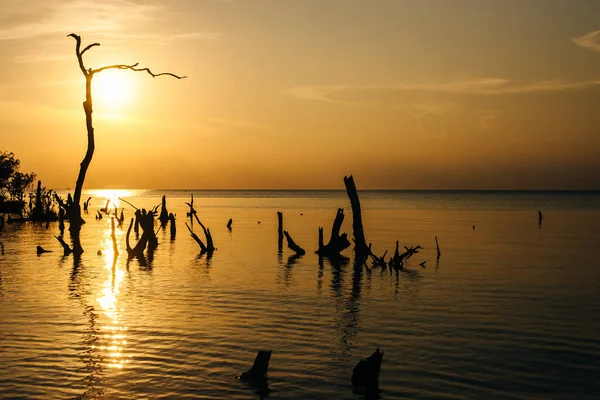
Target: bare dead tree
(75, 220)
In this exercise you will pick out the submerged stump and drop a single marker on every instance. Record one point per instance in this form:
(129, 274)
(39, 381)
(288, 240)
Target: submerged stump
(259, 369)
(366, 372)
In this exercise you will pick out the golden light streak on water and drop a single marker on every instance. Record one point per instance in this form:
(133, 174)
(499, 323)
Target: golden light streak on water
(112, 195)
(113, 333)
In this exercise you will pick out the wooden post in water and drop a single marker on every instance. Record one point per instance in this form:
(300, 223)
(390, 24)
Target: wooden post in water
(279, 231)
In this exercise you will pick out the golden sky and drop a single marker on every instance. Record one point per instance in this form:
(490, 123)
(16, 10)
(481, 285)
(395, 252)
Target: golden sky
(419, 94)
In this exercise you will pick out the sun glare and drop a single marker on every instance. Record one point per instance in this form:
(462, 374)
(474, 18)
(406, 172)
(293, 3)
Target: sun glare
(112, 89)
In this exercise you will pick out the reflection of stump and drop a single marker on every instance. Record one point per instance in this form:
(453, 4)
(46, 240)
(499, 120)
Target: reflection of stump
(366, 372)
(259, 369)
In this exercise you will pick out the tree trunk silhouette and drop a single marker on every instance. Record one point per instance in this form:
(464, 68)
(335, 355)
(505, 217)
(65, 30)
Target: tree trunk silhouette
(361, 249)
(74, 212)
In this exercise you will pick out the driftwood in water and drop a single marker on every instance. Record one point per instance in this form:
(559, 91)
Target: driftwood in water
(366, 372)
(378, 261)
(539, 218)
(146, 220)
(105, 208)
(122, 217)
(164, 214)
(229, 223)
(148, 238)
(292, 245)
(130, 252)
(259, 369)
(39, 250)
(397, 260)
(86, 204)
(197, 239)
(99, 216)
(361, 250)
(279, 231)
(136, 227)
(172, 226)
(337, 242)
(66, 247)
(437, 245)
(192, 211)
(210, 247)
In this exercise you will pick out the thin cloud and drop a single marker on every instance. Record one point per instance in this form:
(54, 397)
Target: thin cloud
(349, 94)
(108, 18)
(590, 40)
(81, 16)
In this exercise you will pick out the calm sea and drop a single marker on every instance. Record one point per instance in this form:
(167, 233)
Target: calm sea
(511, 310)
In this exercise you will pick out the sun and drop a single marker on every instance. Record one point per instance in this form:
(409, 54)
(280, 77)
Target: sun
(112, 89)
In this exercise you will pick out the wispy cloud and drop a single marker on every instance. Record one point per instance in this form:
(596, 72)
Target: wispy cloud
(81, 16)
(590, 40)
(106, 17)
(379, 94)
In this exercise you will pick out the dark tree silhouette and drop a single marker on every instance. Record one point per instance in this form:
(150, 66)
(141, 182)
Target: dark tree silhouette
(75, 220)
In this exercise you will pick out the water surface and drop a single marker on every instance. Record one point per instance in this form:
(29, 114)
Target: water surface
(510, 311)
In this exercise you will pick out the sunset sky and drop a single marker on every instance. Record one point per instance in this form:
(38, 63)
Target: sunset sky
(419, 94)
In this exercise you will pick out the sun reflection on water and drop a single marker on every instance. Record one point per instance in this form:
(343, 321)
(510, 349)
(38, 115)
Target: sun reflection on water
(113, 334)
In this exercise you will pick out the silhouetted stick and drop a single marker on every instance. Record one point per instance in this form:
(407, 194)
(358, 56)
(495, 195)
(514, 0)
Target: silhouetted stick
(86, 204)
(292, 245)
(105, 208)
(66, 248)
(539, 218)
(1, 223)
(197, 239)
(366, 372)
(99, 216)
(130, 252)
(125, 201)
(361, 250)
(136, 227)
(192, 211)
(397, 260)
(172, 226)
(259, 369)
(229, 223)
(378, 261)
(437, 245)
(122, 217)
(279, 231)
(210, 247)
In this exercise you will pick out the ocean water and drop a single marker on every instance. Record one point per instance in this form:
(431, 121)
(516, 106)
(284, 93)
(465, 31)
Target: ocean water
(511, 310)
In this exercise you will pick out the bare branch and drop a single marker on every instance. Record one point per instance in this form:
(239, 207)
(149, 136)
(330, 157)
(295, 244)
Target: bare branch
(133, 68)
(78, 53)
(89, 46)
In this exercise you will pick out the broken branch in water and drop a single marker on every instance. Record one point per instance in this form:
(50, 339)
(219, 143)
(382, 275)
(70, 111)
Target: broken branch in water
(197, 239)
(292, 245)
(66, 247)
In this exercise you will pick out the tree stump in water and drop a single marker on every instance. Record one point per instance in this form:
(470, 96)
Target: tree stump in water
(337, 242)
(164, 214)
(361, 250)
(366, 372)
(172, 226)
(259, 369)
